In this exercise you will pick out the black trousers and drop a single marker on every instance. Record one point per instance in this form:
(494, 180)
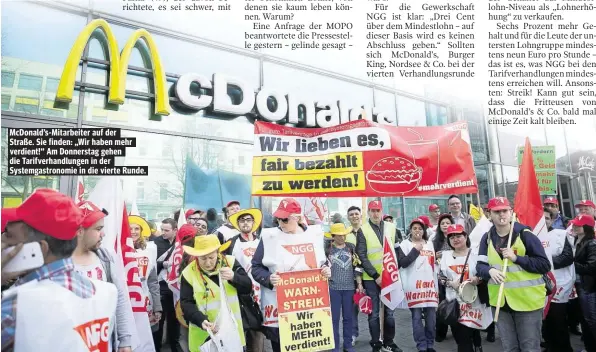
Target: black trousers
(574, 313)
(173, 327)
(555, 329)
(466, 337)
(441, 329)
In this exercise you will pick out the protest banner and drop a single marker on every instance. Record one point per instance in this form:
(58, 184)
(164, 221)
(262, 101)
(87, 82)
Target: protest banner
(304, 312)
(545, 167)
(362, 159)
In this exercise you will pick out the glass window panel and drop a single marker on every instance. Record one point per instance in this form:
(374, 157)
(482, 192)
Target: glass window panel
(52, 84)
(498, 180)
(8, 79)
(30, 82)
(410, 112)
(5, 101)
(436, 115)
(478, 140)
(514, 136)
(483, 183)
(511, 175)
(419, 206)
(27, 105)
(15, 189)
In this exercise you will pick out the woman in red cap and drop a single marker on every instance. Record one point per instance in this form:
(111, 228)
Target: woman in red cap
(458, 266)
(273, 255)
(416, 261)
(585, 269)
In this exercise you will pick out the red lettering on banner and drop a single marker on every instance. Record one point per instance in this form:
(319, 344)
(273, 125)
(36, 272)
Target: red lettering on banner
(270, 312)
(306, 249)
(95, 334)
(425, 284)
(143, 264)
(390, 266)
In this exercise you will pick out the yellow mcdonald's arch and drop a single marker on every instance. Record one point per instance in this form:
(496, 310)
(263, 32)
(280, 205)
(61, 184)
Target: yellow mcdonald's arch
(118, 66)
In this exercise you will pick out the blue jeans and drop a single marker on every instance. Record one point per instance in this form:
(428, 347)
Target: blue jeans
(355, 331)
(588, 303)
(424, 334)
(341, 303)
(374, 325)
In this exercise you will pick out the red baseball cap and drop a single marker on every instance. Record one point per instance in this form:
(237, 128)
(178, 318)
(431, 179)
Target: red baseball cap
(586, 203)
(498, 203)
(375, 205)
(551, 200)
(190, 212)
(454, 229)
(186, 232)
(418, 221)
(91, 213)
(232, 202)
(49, 212)
(582, 220)
(286, 207)
(426, 220)
(433, 207)
(387, 216)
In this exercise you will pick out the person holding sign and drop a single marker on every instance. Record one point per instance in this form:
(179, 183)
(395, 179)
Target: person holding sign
(345, 268)
(200, 289)
(416, 262)
(460, 262)
(522, 304)
(369, 248)
(290, 247)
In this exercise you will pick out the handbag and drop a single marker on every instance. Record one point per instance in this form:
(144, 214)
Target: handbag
(251, 312)
(548, 284)
(448, 311)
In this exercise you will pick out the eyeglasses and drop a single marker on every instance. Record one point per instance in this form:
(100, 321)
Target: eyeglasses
(285, 221)
(245, 220)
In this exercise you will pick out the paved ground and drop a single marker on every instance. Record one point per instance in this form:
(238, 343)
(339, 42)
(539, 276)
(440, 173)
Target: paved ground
(405, 340)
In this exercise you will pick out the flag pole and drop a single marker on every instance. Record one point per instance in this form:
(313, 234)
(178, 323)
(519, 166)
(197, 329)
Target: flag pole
(505, 263)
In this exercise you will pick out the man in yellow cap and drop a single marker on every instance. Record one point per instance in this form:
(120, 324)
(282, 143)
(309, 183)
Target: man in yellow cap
(200, 289)
(243, 247)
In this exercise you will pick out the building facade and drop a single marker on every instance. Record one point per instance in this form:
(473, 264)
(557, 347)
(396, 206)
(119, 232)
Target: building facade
(37, 39)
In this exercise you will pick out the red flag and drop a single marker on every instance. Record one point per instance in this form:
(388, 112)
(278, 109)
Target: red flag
(392, 291)
(528, 203)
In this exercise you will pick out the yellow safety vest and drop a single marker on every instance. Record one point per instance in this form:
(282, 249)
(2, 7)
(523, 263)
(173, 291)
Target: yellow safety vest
(374, 247)
(524, 291)
(208, 301)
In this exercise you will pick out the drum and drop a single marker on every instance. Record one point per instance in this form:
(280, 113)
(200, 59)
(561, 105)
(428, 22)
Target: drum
(467, 292)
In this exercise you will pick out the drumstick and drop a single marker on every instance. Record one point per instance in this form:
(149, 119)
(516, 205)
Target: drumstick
(505, 262)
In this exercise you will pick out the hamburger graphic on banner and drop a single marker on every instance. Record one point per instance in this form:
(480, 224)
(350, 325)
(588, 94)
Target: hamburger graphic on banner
(362, 159)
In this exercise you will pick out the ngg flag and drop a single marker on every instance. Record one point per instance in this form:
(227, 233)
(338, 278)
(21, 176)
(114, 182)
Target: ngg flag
(362, 159)
(392, 292)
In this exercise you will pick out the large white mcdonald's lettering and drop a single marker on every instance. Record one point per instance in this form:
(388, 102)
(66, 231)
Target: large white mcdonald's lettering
(118, 66)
